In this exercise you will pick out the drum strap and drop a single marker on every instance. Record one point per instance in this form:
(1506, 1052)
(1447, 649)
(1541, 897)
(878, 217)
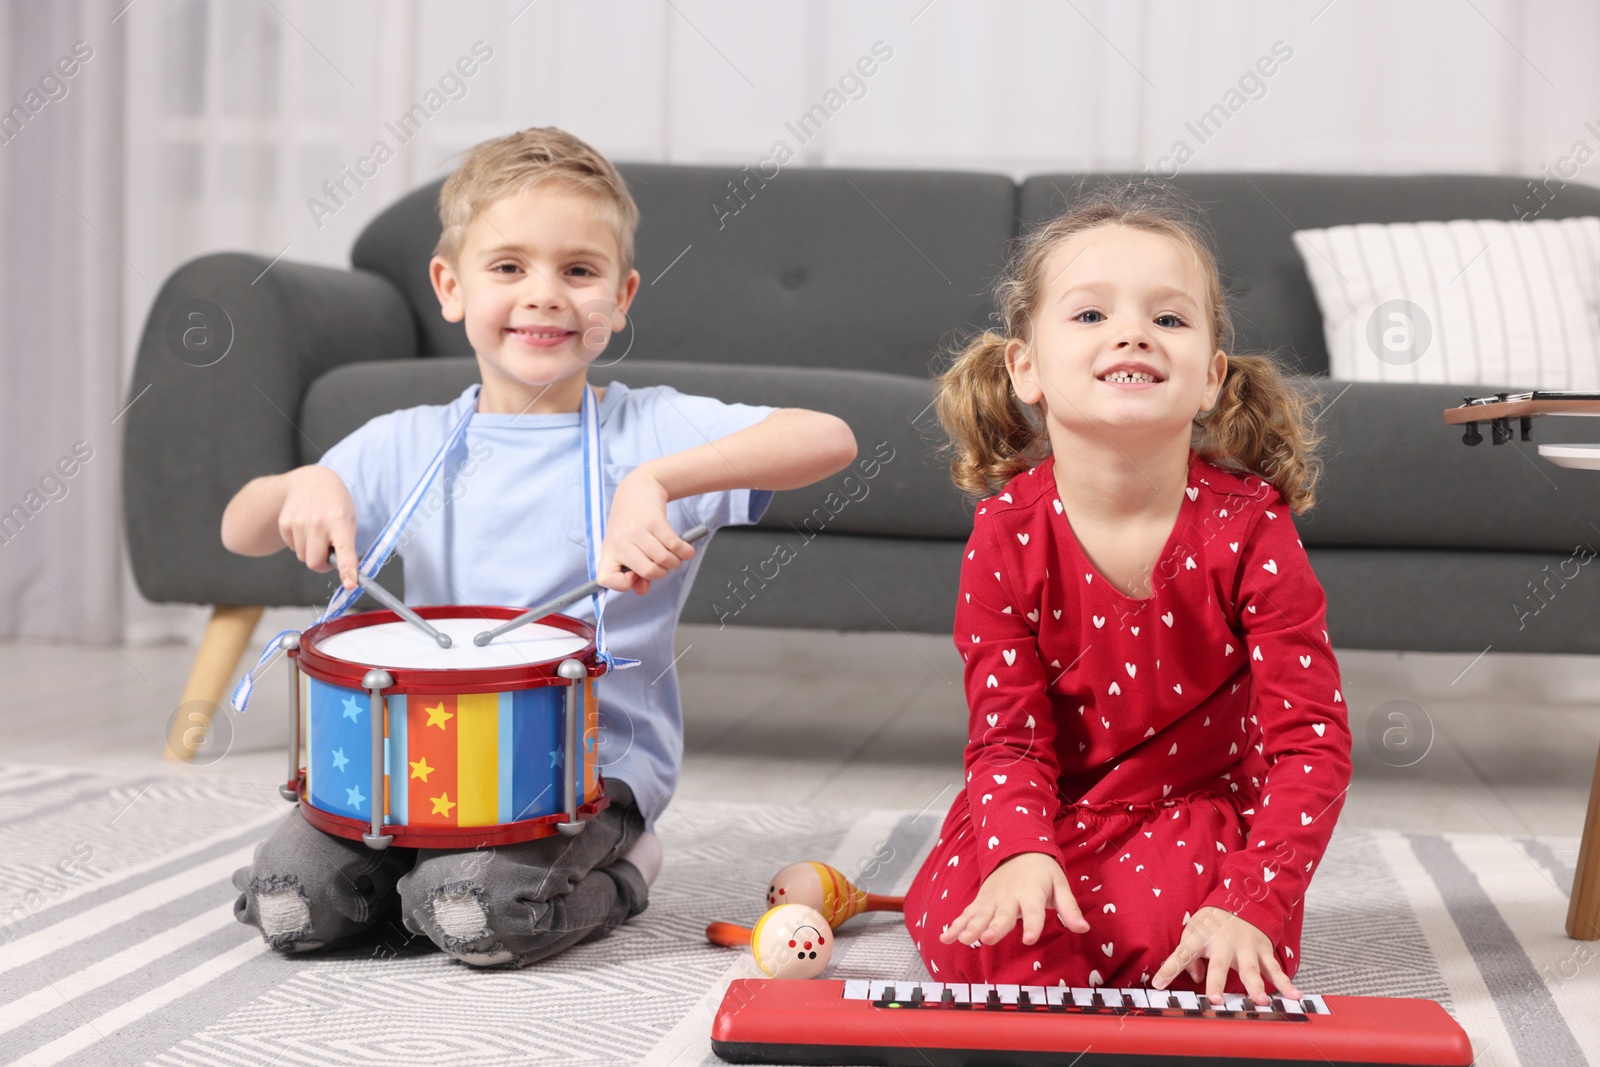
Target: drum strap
(594, 513)
(389, 538)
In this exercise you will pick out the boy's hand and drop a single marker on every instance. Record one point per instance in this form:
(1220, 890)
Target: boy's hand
(318, 512)
(1025, 884)
(639, 537)
(1228, 942)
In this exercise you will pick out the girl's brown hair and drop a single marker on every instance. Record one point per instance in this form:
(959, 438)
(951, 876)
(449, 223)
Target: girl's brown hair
(1259, 424)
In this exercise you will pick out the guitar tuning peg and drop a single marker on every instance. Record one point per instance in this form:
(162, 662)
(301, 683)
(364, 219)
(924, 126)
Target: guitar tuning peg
(1501, 430)
(1471, 435)
(1527, 427)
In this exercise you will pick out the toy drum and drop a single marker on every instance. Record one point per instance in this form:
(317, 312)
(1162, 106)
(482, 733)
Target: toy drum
(397, 740)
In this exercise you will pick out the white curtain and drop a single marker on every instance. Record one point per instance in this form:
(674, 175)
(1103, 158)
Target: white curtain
(65, 265)
(234, 113)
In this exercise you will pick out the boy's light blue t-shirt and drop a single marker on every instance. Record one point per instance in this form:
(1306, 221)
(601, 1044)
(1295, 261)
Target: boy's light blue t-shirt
(503, 524)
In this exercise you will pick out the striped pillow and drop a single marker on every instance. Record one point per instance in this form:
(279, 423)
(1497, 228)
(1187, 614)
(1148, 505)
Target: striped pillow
(1469, 302)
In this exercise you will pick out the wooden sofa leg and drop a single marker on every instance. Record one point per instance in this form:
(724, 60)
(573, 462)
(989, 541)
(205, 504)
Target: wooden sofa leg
(226, 637)
(1583, 913)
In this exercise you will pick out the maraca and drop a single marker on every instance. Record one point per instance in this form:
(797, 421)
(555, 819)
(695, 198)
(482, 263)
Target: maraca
(826, 889)
(789, 941)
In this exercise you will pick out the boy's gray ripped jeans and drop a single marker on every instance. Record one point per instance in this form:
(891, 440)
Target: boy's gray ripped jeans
(502, 905)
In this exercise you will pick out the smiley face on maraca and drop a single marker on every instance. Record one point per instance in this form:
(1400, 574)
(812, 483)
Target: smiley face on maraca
(792, 941)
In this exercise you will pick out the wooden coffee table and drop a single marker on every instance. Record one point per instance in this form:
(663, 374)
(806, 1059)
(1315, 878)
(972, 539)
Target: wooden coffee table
(1583, 912)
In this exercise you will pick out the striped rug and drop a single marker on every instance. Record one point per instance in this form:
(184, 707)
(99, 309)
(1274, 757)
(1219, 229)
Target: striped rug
(118, 943)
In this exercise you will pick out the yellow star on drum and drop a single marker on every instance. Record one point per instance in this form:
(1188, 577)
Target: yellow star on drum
(437, 716)
(420, 768)
(442, 804)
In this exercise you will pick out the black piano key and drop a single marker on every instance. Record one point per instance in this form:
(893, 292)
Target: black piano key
(947, 999)
(1310, 1007)
(916, 997)
(993, 1000)
(1024, 1002)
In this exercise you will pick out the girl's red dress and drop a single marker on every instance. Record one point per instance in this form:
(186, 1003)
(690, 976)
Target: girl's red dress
(1186, 750)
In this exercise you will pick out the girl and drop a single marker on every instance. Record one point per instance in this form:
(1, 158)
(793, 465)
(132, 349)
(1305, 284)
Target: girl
(1158, 746)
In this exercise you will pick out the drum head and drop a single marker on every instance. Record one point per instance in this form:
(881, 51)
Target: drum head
(400, 644)
(341, 651)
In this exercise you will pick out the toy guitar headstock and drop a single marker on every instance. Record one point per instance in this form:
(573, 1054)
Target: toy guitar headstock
(1498, 411)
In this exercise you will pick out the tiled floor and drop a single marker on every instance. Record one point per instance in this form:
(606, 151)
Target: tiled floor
(878, 720)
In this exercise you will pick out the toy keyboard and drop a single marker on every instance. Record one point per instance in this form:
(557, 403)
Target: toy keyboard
(935, 1024)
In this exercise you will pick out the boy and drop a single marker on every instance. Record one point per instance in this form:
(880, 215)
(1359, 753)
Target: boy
(536, 257)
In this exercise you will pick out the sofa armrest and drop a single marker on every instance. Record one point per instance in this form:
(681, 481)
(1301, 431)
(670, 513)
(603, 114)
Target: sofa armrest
(201, 425)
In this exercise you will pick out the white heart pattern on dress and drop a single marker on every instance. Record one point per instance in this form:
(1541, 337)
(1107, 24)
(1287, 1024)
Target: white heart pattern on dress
(1108, 947)
(1319, 727)
(993, 842)
(1167, 618)
(1057, 614)
(1000, 779)
(1132, 670)
(1305, 661)
(1305, 820)
(992, 683)
(1178, 688)
(1098, 620)
(1115, 690)
(1192, 491)
(1270, 566)
(1023, 538)
(1057, 503)
(994, 718)
(1010, 656)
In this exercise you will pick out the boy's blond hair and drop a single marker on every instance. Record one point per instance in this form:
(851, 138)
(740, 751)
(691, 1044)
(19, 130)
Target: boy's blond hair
(507, 166)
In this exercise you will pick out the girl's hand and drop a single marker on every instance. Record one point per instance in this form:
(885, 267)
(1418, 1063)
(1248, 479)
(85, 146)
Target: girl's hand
(1228, 942)
(318, 512)
(639, 537)
(1025, 884)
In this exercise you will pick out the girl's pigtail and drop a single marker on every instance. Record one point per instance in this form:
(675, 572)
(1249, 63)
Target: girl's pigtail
(1260, 423)
(992, 436)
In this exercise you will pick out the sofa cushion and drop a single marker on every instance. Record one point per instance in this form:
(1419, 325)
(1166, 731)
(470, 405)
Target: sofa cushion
(1253, 216)
(1463, 302)
(859, 270)
(907, 494)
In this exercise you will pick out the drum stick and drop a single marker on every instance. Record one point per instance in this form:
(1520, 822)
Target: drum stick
(556, 603)
(392, 602)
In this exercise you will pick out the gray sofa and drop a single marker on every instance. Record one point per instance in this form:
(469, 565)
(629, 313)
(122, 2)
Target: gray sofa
(839, 290)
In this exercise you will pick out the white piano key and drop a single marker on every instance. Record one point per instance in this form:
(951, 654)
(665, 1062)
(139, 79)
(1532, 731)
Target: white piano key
(1233, 1001)
(1008, 993)
(1315, 998)
(1292, 1007)
(1083, 998)
(1135, 998)
(1057, 996)
(1111, 997)
(1187, 1000)
(1159, 998)
(931, 991)
(960, 992)
(879, 985)
(979, 993)
(1035, 994)
(857, 989)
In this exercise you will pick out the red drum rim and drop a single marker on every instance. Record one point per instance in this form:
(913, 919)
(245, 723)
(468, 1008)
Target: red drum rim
(408, 836)
(345, 673)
